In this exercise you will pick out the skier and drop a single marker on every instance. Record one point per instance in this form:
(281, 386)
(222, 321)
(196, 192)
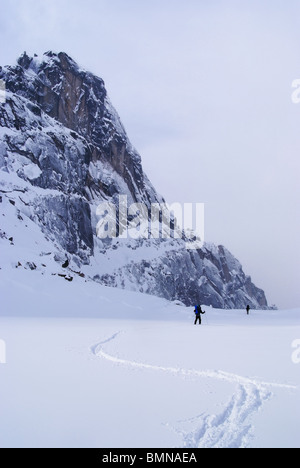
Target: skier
(198, 311)
(248, 309)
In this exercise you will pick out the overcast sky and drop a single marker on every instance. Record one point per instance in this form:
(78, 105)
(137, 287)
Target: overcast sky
(203, 88)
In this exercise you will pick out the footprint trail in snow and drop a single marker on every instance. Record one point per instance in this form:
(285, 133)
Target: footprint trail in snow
(231, 428)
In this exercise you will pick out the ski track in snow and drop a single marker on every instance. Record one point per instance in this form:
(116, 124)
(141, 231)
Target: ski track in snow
(231, 428)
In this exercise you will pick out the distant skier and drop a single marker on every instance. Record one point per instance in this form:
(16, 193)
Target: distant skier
(198, 311)
(248, 309)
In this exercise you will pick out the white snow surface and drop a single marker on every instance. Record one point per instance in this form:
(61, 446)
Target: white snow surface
(92, 366)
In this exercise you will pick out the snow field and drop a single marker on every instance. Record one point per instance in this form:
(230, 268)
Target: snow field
(89, 366)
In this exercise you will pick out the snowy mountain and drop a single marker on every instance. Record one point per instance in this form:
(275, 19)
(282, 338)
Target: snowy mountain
(63, 151)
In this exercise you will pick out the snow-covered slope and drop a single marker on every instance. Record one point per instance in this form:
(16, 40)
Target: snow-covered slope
(92, 366)
(64, 150)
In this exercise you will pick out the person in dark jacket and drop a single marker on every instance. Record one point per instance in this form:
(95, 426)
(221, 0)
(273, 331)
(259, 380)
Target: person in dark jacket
(198, 311)
(248, 309)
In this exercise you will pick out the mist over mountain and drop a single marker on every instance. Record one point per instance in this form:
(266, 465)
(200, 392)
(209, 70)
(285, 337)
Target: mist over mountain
(64, 151)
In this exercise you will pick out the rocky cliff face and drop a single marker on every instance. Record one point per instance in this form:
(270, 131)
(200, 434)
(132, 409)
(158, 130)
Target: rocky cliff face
(63, 150)
(55, 86)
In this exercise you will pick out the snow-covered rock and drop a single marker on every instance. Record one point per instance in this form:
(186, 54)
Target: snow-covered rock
(63, 151)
